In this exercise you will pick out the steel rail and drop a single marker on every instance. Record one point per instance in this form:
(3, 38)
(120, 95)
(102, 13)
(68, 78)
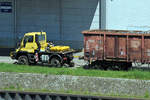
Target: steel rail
(17, 95)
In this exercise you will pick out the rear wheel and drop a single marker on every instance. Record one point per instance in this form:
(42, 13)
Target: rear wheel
(23, 60)
(55, 62)
(71, 64)
(33, 63)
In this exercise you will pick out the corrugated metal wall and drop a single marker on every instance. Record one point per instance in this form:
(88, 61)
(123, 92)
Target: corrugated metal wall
(6, 24)
(38, 15)
(78, 15)
(63, 20)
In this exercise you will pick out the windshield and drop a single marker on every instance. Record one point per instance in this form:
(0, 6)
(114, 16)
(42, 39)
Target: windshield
(40, 37)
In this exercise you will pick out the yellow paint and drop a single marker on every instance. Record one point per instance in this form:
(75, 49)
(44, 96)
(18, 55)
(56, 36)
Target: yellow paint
(60, 48)
(30, 47)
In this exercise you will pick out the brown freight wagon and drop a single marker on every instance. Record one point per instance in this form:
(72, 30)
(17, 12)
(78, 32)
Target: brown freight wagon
(116, 49)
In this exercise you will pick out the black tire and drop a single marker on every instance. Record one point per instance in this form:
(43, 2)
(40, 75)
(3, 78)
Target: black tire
(125, 66)
(71, 64)
(23, 60)
(55, 62)
(33, 63)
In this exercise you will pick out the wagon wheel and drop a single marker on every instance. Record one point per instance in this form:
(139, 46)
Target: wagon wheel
(86, 66)
(55, 62)
(114, 67)
(125, 66)
(110, 68)
(96, 65)
(105, 67)
(99, 66)
(23, 60)
(129, 65)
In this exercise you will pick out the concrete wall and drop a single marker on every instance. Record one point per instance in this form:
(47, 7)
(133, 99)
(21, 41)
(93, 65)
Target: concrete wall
(82, 84)
(128, 14)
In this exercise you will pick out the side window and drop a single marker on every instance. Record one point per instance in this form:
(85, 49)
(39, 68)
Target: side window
(25, 40)
(36, 38)
(28, 39)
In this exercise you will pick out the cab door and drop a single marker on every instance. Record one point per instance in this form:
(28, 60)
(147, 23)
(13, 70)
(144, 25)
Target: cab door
(28, 44)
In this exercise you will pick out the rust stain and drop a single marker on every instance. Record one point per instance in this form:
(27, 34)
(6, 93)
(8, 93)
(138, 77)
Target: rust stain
(91, 41)
(148, 52)
(87, 45)
(96, 47)
(135, 44)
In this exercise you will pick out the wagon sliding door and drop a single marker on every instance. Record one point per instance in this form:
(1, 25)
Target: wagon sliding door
(116, 47)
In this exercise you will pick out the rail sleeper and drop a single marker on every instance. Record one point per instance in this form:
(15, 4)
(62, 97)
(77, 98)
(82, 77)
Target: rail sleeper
(15, 95)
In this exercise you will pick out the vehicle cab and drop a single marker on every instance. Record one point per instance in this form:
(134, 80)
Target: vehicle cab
(33, 41)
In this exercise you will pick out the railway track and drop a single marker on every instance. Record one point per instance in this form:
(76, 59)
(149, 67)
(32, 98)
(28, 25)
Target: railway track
(16, 95)
(144, 67)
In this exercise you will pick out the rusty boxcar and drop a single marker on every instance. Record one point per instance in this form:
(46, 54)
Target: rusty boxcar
(116, 49)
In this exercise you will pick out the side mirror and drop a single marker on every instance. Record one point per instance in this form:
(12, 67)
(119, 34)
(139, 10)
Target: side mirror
(18, 44)
(19, 39)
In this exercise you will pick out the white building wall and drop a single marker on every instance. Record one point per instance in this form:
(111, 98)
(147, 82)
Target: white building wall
(128, 14)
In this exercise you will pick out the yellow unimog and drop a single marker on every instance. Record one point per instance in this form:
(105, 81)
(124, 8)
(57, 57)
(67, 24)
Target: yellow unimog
(34, 48)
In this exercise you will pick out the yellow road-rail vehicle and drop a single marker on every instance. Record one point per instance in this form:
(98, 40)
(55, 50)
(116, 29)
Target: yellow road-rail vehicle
(34, 49)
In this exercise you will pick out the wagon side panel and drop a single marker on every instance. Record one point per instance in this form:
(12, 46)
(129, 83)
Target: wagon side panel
(121, 50)
(100, 47)
(135, 48)
(94, 46)
(116, 47)
(146, 52)
(110, 47)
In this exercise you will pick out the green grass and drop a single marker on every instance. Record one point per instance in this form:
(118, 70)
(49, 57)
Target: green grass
(133, 74)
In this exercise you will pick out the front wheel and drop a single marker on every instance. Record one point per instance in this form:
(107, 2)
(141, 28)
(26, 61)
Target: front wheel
(23, 60)
(55, 62)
